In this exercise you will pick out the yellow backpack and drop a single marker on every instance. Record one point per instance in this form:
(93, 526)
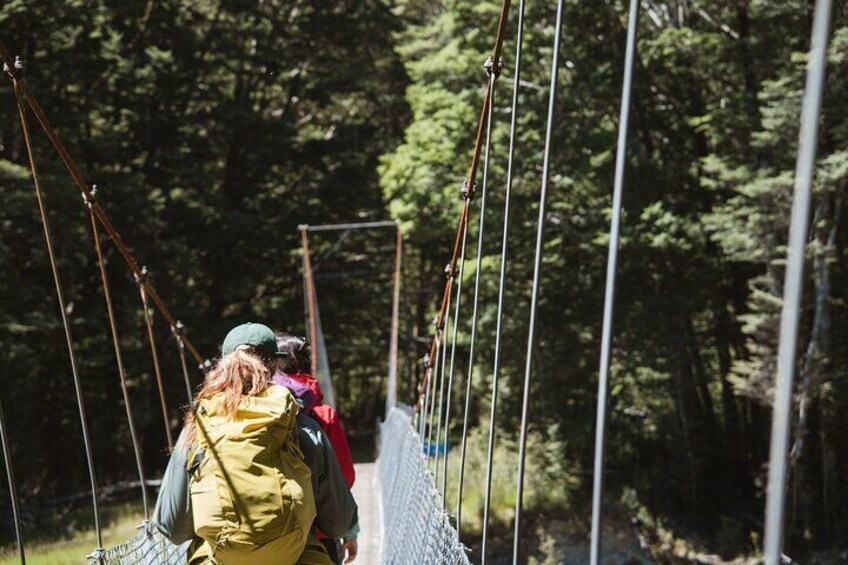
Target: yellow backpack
(251, 496)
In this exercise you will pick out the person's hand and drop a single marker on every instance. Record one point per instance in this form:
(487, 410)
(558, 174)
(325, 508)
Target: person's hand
(350, 548)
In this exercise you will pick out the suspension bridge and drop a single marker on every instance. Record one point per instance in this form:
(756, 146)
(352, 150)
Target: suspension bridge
(413, 523)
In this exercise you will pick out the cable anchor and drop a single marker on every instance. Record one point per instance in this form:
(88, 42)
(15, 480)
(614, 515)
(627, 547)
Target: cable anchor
(491, 68)
(467, 190)
(141, 278)
(19, 67)
(179, 331)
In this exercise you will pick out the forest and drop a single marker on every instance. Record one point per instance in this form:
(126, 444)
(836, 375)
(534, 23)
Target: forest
(214, 128)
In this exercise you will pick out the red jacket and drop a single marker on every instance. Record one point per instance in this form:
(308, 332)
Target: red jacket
(329, 420)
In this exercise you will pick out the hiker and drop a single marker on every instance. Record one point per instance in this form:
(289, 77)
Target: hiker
(294, 373)
(252, 499)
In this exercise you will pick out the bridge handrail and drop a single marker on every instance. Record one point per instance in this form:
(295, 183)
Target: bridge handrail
(415, 528)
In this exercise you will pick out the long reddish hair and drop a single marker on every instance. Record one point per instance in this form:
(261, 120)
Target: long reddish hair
(236, 375)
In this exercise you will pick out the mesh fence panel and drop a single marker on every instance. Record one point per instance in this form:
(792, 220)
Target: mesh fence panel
(415, 529)
(147, 547)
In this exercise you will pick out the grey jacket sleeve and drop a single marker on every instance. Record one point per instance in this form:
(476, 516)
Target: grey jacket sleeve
(336, 508)
(172, 515)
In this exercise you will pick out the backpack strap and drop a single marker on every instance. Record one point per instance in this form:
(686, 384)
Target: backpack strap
(222, 482)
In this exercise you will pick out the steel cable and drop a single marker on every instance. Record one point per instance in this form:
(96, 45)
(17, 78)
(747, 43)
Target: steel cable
(434, 374)
(119, 358)
(793, 287)
(502, 282)
(151, 338)
(13, 489)
(449, 387)
(60, 295)
(444, 355)
(391, 384)
(424, 398)
(470, 181)
(179, 334)
(38, 112)
(476, 300)
(609, 295)
(537, 270)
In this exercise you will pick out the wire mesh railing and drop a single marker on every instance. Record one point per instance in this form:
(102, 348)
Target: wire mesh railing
(415, 528)
(147, 547)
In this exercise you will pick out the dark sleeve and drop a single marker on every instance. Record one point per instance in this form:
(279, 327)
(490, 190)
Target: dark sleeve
(172, 515)
(336, 508)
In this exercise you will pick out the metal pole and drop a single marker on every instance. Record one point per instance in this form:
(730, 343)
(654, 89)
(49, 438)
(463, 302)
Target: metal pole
(502, 282)
(537, 271)
(609, 296)
(351, 226)
(309, 288)
(391, 387)
(13, 489)
(794, 283)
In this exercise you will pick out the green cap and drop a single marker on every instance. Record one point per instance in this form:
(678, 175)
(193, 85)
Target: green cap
(259, 336)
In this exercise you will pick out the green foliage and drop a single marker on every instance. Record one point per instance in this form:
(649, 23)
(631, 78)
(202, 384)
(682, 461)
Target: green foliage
(709, 180)
(212, 129)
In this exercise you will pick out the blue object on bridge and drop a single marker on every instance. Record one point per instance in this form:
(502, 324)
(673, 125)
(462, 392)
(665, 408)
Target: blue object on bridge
(432, 449)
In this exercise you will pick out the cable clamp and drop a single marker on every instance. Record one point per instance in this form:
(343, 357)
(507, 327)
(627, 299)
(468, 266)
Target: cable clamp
(89, 198)
(205, 366)
(179, 330)
(450, 271)
(491, 68)
(147, 528)
(427, 364)
(19, 67)
(467, 190)
(141, 278)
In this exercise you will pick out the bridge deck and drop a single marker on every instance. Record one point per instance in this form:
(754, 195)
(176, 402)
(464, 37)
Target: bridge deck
(366, 490)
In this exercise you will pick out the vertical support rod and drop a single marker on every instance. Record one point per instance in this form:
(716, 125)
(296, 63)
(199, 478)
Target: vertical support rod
(794, 283)
(309, 287)
(391, 392)
(13, 489)
(181, 348)
(60, 296)
(434, 382)
(154, 352)
(537, 271)
(490, 451)
(454, 337)
(119, 359)
(426, 385)
(442, 380)
(476, 299)
(609, 296)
